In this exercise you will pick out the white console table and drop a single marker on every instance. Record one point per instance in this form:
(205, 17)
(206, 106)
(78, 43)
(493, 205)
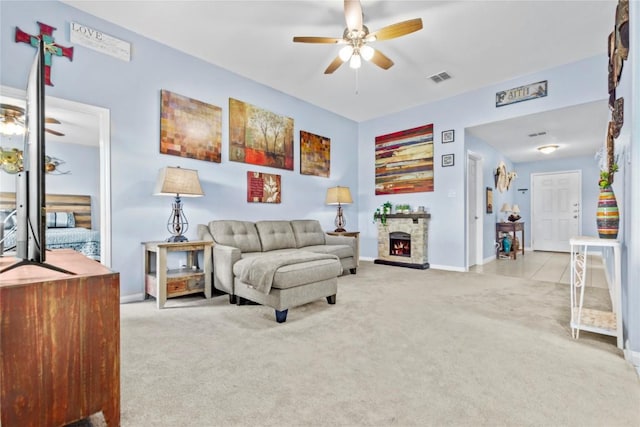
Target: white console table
(586, 319)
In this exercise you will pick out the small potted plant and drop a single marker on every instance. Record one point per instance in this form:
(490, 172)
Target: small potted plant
(382, 212)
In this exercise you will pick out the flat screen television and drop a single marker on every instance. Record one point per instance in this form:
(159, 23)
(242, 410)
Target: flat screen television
(30, 185)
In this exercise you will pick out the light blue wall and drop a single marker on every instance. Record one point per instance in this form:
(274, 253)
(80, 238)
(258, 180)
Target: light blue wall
(131, 91)
(572, 84)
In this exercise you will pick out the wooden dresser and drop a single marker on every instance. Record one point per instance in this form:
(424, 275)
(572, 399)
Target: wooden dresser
(59, 342)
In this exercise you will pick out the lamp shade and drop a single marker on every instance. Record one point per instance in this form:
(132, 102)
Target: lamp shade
(338, 195)
(367, 52)
(515, 209)
(505, 208)
(355, 62)
(176, 180)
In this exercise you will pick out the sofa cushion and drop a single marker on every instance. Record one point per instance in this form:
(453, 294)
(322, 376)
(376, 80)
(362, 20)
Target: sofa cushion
(276, 235)
(341, 251)
(239, 234)
(307, 232)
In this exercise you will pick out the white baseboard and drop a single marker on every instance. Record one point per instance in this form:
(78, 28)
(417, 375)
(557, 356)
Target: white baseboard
(131, 298)
(431, 266)
(632, 357)
(447, 268)
(488, 259)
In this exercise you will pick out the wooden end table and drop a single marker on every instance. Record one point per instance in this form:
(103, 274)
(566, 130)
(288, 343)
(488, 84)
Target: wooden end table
(162, 282)
(511, 228)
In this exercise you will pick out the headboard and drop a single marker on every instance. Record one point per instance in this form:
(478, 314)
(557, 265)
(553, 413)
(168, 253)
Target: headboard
(80, 205)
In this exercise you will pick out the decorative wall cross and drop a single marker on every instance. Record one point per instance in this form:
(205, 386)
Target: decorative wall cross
(50, 47)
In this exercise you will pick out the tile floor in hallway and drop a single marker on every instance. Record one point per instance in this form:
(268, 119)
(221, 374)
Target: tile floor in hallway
(544, 266)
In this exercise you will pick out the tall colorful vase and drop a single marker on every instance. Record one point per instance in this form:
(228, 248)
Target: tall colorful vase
(607, 217)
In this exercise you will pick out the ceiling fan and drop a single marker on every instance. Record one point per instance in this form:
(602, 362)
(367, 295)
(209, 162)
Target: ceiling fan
(12, 120)
(357, 36)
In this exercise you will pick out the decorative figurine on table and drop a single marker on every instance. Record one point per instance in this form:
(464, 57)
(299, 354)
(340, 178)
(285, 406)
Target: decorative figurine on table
(506, 244)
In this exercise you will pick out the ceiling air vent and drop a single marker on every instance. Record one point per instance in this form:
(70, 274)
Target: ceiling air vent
(440, 77)
(532, 135)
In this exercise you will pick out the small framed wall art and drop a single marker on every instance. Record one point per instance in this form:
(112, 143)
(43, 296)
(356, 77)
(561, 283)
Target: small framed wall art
(315, 154)
(448, 136)
(447, 160)
(263, 187)
(489, 203)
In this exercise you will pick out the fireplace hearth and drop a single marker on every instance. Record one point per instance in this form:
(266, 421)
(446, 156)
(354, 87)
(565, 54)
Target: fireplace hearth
(402, 241)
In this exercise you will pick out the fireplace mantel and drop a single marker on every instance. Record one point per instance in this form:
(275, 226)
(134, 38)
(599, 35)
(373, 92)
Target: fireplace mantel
(414, 215)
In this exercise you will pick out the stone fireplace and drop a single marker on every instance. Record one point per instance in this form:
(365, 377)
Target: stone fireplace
(403, 240)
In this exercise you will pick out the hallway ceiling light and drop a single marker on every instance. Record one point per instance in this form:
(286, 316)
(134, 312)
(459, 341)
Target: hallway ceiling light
(548, 149)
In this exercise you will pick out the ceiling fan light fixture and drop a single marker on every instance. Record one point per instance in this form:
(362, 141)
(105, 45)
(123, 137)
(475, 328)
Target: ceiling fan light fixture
(548, 149)
(11, 128)
(345, 53)
(355, 62)
(367, 52)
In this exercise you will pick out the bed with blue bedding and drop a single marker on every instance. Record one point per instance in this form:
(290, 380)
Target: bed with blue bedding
(68, 223)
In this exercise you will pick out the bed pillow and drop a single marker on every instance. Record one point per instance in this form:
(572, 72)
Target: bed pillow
(60, 220)
(8, 225)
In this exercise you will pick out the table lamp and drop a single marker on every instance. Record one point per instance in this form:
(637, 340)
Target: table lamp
(175, 181)
(338, 196)
(506, 208)
(515, 215)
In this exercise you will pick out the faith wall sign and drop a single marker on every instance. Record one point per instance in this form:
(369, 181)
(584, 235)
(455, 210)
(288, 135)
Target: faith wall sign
(521, 93)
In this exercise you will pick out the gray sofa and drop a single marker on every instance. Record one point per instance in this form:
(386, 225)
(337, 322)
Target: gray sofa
(280, 264)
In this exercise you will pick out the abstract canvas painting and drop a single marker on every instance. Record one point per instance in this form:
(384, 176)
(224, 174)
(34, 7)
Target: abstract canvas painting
(263, 187)
(315, 154)
(404, 161)
(190, 128)
(259, 137)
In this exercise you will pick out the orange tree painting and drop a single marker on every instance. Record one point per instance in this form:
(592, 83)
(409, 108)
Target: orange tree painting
(190, 128)
(315, 154)
(404, 161)
(259, 137)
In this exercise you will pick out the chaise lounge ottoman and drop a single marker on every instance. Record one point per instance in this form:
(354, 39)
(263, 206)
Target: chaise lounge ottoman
(281, 264)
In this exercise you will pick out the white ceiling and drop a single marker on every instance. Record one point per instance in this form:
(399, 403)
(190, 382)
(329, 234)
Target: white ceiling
(477, 42)
(577, 131)
(78, 126)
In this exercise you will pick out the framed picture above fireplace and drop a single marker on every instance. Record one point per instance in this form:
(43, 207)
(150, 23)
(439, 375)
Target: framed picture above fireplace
(404, 161)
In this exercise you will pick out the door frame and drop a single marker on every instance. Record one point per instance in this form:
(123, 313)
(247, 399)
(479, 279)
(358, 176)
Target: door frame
(102, 116)
(476, 240)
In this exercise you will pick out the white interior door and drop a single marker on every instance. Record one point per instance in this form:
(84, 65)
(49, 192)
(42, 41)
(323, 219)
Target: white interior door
(474, 210)
(556, 210)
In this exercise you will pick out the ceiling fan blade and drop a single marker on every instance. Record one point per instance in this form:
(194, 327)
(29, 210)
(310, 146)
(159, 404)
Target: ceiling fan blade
(334, 65)
(397, 30)
(381, 60)
(52, 120)
(353, 14)
(54, 132)
(317, 40)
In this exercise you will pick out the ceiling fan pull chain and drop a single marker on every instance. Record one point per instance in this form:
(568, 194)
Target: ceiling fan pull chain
(357, 81)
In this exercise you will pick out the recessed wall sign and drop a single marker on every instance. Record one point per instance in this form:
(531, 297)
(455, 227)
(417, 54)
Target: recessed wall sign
(521, 93)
